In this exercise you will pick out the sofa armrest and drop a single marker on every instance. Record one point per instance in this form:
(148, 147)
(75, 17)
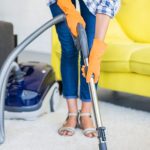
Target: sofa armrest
(6, 40)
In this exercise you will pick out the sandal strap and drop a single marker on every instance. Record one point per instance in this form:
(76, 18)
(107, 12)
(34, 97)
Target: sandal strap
(70, 129)
(73, 114)
(89, 130)
(85, 114)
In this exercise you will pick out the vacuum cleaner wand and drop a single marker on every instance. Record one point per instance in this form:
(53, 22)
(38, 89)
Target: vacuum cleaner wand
(82, 41)
(7, 66)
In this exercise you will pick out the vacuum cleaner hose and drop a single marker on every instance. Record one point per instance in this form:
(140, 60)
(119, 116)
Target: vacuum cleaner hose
(7, 67)
(13, 66)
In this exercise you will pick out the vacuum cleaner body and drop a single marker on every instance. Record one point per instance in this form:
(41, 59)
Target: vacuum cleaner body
(31, 92)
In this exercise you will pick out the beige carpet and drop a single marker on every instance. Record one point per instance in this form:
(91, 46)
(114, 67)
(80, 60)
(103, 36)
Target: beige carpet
(127, 129)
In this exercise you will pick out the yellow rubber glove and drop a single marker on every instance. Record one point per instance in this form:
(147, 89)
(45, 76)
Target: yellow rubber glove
(96, 53)
(73, 17)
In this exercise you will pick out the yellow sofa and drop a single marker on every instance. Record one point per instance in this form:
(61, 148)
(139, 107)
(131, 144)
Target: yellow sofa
(126, 63)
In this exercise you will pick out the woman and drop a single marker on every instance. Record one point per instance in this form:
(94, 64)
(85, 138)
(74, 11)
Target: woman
(95, 17)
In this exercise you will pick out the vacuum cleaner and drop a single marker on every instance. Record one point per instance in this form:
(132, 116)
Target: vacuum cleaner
(9, 65)
(31, 92)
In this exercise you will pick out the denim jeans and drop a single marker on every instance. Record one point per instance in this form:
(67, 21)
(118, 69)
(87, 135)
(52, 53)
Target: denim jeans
(69, 55)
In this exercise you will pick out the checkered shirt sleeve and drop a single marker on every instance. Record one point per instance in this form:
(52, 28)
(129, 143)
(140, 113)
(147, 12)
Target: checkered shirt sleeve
(107, 7)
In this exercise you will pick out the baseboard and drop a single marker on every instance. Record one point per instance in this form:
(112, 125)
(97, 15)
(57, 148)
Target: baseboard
(124, 99)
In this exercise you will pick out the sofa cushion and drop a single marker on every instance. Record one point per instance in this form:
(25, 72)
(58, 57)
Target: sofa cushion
(140, 61)
(117, 57)
(134, 18)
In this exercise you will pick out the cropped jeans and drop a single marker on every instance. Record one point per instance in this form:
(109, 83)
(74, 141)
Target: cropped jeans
(69, 54)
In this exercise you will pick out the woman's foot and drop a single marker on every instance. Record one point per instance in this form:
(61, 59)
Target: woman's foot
(85, 119)
(86, 123)
(68, 128)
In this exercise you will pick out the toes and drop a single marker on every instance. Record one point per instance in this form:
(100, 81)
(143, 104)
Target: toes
(60, 132)
(88, 135)
(91, 135)
(65, 133)
(95, 134)
(69, 133)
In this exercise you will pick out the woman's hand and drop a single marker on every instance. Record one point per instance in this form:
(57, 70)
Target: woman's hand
(96, 53)
(73, 17)
(98, 48)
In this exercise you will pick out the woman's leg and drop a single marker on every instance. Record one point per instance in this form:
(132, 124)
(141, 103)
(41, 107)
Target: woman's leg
(90, 20)
(69, 68)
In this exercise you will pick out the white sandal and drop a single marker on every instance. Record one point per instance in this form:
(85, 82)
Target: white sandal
(87, 130)
(68, 129)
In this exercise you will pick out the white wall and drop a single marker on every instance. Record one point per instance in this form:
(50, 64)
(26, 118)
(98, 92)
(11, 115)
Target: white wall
(26, 16)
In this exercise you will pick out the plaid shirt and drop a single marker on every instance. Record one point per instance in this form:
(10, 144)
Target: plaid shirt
(107, 7)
